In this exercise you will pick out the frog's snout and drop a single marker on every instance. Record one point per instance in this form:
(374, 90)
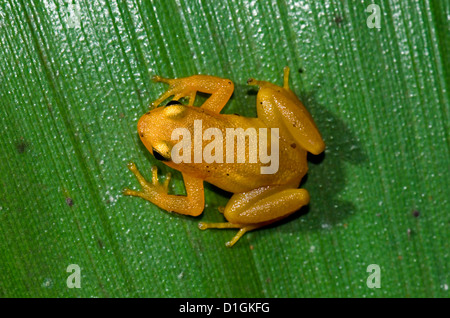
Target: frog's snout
(142, 125)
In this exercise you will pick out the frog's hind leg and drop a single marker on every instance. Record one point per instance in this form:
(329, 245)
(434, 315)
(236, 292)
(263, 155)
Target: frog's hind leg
(243, 228)
(259, 207)
(279, 107)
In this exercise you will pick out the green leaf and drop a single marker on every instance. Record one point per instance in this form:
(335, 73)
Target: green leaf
(75, 78)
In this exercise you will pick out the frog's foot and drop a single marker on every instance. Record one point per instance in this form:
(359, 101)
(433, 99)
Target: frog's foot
(243, 228)
(157, 193)
(259, 207)
(149, 189)
(177, 88)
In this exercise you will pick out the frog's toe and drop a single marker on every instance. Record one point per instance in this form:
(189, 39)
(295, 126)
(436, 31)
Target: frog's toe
(133, 193)
(157, 78)
(227, 225)
(167, 181)
(148, 188)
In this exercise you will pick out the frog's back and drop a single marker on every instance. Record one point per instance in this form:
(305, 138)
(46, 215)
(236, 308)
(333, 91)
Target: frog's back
(243, 177)
(225, 170)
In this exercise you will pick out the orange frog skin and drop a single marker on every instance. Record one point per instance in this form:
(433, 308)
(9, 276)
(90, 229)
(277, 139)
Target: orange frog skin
(258, 198)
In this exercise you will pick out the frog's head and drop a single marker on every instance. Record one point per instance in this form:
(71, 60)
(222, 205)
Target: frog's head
(156, 126)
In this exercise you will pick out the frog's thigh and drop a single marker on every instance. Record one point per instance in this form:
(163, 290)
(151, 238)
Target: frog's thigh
(283, 109)
(265, 204)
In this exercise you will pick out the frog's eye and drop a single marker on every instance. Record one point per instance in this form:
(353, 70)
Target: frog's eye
(174, 109)
(173, 102)
(159, 156)
(162, 151)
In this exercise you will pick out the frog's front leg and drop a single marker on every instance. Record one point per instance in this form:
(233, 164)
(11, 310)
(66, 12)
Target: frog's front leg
(259, 207)
(220, 89)
(191, 204)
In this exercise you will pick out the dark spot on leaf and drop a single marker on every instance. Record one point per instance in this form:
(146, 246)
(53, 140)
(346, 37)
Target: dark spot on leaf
(338, 20)
(300, 70)
(69, 201)
(416, 213)
(100, 244)
(293, 145)
(21, 147)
